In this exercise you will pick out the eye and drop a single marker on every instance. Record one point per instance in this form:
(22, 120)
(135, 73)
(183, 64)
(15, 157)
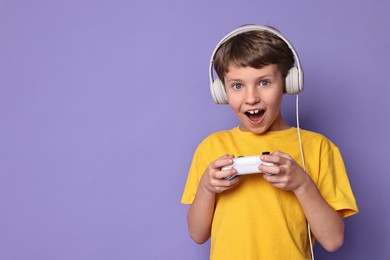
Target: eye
(264, 83)
(237, 86)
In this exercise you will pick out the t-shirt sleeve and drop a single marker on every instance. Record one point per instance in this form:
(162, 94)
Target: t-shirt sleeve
(334, 184)
(197, 168)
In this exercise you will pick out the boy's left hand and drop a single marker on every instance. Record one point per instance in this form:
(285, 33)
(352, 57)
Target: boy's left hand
(287, 174)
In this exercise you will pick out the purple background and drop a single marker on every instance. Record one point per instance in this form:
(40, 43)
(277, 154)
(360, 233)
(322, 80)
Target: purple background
(102, 104)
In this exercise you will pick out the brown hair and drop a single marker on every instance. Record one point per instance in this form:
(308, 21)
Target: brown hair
(254, 49)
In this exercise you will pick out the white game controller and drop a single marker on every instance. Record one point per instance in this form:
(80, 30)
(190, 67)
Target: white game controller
(246, 165)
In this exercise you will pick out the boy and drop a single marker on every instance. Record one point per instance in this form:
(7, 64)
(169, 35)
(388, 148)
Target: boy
(264, 216)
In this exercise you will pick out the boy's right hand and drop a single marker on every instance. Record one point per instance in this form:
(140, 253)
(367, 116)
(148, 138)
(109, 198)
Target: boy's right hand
(214, 179)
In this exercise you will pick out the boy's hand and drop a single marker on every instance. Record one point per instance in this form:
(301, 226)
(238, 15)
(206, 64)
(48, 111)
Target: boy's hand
(286, 172)
(213, 180)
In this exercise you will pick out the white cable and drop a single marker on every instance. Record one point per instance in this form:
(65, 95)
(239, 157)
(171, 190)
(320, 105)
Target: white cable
(304, 168)
(299, 131)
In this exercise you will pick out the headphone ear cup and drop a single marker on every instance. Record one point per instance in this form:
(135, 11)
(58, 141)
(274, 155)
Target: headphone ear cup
(294, 83)
(218, 92)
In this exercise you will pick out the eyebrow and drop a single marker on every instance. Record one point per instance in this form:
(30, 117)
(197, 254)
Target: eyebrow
(257, 79)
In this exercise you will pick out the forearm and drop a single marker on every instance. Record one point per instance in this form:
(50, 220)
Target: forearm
(200, 216)
(326, 224)
(201, 212)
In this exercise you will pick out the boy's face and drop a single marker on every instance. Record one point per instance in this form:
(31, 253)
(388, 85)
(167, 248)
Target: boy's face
(255, 96)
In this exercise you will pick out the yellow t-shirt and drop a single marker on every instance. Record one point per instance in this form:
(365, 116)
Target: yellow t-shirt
(256, 220)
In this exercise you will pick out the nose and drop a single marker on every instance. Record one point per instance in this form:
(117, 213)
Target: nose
(252, 96)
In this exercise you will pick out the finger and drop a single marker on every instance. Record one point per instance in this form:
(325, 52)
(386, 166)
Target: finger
(275, 158)
(223, 185)
(273, 179)
(229, 183)
(269, 178)
(228, 174)
(281, 154)
(224, 160)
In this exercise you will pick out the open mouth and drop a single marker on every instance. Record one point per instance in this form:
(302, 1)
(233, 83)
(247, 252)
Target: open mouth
(255, 116)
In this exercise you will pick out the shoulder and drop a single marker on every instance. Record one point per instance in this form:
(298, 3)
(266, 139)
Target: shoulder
(219, 135)
(311, 136)
(217, 143)
(319, 145)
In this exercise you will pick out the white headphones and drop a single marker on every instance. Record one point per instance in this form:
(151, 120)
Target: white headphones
(294, 79)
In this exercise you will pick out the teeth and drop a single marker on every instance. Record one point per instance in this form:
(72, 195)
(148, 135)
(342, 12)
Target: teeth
(252, 112)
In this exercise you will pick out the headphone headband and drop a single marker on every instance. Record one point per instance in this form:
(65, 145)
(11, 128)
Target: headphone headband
(294, 79)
